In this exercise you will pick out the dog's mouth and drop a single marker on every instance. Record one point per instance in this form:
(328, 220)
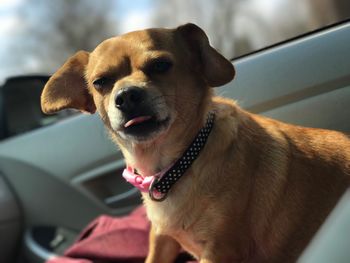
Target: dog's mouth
(137, 121)
(143, 126)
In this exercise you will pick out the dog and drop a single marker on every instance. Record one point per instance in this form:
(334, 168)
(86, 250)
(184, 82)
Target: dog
(223, 184)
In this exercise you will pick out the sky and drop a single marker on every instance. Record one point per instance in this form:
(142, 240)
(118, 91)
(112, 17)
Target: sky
(7, 15)
(8, 22)
(134, 15)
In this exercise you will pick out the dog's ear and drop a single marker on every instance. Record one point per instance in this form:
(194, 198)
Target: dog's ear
(67, 88)
(216, 69)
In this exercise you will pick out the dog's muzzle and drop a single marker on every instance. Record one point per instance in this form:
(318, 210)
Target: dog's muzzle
(139, 117)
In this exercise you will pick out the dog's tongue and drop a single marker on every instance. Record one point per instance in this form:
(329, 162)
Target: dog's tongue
(137, 120)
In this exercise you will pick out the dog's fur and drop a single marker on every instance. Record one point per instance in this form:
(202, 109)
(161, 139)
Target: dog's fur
(260, 188)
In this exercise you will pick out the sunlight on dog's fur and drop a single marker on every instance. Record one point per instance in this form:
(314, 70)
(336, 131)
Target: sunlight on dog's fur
(260, 188)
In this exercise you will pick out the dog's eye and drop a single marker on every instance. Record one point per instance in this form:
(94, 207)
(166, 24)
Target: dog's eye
(100, 83)
(159, 66)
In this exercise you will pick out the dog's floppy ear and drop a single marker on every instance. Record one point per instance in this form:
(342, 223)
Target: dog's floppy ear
(216, 69)
(67, 88)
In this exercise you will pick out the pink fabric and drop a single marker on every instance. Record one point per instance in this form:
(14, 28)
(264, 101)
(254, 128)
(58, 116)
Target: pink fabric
(107, 240)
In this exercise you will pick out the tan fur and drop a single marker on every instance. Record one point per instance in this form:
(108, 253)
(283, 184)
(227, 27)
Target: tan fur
(260, 188)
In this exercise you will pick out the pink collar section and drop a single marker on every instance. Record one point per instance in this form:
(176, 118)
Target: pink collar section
(140, 182)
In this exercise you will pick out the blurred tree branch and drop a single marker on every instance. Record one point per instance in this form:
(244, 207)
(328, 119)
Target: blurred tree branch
(236, 27)
(54, 30)
(215, 17)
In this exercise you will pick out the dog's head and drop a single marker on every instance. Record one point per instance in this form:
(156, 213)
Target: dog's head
(143, 83)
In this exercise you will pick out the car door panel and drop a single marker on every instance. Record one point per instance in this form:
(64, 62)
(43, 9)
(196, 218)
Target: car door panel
(104, 186)
(329, 111)
(10, 221)
(291, 72)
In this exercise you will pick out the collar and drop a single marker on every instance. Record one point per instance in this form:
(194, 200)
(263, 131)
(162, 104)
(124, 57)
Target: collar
(158, 185)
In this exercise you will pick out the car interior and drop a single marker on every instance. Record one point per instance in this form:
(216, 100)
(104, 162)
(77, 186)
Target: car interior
(59, 172)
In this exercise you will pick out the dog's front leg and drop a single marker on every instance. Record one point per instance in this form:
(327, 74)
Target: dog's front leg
(162, 248)
(225, 251)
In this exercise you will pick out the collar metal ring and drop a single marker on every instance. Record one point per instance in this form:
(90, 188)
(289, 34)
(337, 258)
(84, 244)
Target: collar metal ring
(158, 197)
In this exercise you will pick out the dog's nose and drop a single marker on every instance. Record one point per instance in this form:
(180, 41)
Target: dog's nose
(128, 98)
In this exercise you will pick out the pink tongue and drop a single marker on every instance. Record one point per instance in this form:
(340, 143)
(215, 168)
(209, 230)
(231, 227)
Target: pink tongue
(137, 120)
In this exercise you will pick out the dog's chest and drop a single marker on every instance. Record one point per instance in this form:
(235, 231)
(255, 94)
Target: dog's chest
(178, 223)
(166, 216)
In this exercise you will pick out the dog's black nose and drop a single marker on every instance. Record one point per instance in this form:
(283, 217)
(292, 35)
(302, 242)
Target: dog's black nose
(129, 98)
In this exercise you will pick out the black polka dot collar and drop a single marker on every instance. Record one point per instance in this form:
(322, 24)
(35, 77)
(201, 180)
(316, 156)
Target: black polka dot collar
(160, 184)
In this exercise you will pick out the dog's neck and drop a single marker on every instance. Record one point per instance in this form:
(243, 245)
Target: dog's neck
(152, 157)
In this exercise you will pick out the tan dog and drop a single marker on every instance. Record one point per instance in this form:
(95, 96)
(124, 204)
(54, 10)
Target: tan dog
(259, 189)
